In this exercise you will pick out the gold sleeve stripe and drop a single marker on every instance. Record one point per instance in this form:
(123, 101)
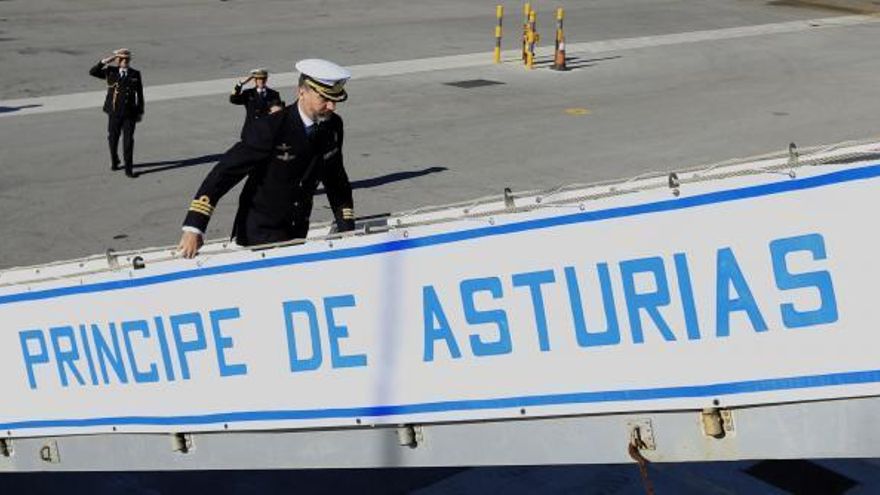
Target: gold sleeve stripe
(203, 211)
(202, 205)
(202, 208)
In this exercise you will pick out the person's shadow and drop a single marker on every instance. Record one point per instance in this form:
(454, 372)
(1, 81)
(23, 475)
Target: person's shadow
(389, 178)
(153, 167)
(15, 109)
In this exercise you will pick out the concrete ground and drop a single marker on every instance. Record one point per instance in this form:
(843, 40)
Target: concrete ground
(857, 6)
(678, 100)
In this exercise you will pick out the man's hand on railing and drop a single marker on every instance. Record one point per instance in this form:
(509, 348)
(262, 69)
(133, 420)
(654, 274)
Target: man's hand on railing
(189, 245)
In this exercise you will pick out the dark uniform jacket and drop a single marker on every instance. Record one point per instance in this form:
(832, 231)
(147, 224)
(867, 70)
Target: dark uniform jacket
(283, 168)
(125, 95)
(255, 106)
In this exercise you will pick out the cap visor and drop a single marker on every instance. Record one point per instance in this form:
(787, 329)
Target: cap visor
(337, 98)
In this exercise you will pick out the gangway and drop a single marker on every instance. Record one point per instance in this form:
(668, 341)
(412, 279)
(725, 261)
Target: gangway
(720, 312)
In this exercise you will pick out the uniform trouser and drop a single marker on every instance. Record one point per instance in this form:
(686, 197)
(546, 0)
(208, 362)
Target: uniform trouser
(117, 124)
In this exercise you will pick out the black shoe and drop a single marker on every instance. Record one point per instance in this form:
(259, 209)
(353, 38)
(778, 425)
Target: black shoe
(131, 175)
(115, 166)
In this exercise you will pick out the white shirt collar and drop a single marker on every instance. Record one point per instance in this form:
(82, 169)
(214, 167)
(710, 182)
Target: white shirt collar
(307, 122)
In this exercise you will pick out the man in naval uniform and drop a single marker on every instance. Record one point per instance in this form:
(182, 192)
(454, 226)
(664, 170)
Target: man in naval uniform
(124, 105)
(256, 100)
(285, 157)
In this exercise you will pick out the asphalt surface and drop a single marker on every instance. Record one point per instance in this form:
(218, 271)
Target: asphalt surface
(411, 139)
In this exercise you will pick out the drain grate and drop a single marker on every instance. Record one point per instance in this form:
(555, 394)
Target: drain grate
(801, 477)
(473, 83)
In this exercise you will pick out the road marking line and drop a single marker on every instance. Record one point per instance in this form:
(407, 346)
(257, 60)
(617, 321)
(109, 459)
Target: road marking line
(577, 111)
(94, 99)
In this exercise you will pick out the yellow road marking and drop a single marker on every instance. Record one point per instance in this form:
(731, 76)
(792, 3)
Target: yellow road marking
(577, 111)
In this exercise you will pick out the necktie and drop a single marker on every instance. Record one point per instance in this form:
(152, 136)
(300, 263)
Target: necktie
(310, 130)
(123, 73)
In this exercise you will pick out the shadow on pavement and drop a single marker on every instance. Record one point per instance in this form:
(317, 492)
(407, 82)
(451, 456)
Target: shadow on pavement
(153, 167)
(15, 109)
(389, 178)
(574, 63)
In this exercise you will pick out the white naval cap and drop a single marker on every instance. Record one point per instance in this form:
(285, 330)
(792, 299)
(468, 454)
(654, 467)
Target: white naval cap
(325, 77)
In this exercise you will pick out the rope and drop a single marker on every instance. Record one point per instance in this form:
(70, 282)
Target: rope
(635, 444)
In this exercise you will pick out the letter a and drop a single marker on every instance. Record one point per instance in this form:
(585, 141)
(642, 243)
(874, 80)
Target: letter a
(433, 311)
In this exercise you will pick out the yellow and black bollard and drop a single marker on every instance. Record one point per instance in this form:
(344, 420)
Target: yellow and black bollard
(499, 14)
(532, 39)
(559, 53)
(527, 9)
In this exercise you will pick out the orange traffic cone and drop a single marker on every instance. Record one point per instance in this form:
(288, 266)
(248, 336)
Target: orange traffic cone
(559, 55)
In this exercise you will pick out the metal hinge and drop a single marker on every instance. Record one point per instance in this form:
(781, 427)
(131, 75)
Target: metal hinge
(674, 183)
(793, 159)
(182, 443)
(6, 449)
(112, 259)
(641, 434)
(49, 453)
(717, 423)
(410, 435)
(509, 203)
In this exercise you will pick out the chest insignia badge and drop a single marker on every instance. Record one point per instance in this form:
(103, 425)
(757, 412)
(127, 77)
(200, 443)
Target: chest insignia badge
(285, 156)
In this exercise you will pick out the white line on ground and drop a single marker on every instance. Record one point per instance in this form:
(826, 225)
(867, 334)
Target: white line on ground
(93, 99)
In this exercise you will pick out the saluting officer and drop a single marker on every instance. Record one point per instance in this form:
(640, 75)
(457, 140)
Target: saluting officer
(256, 100)
(288, 154)
(124, 105)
